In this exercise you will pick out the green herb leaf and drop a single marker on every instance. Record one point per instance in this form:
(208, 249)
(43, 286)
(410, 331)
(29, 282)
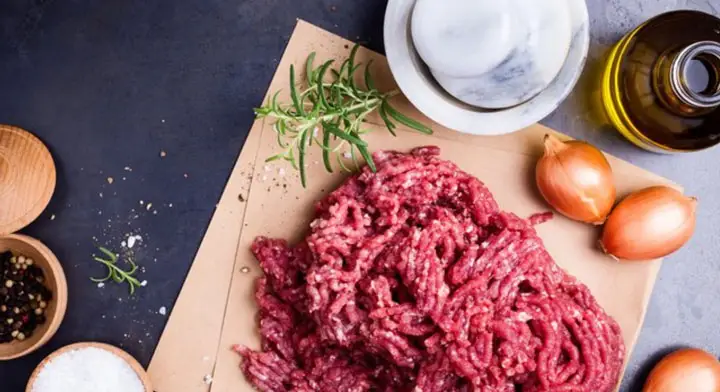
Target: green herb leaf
(116, 273)
(326, 150)
(275, 157)
(389, 124)
(320, 78)
(342, 164)
(369, 83)
(309, 69)
(368, 158)
(294, 93)
(352, 67)
(342, 135)
(274, 105)
(301, 148)
(407, 121)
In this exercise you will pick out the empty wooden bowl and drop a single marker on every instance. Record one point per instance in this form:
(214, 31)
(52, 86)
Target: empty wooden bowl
(54, 281)
(142, 375)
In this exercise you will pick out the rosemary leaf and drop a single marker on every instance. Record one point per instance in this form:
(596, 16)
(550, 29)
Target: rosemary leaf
(320, 78)
(274, 157)
(293, 92)
(354, 158)
(309, 69)
(115, 273)
(342, 164)
(369, 83)
(326, 151)
(301, 148)
(407, 121)
(368, 158)
(342, 135)
(274, 105)
(389, 124)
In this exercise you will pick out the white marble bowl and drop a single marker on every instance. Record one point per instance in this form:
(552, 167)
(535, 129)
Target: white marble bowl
(420, 84)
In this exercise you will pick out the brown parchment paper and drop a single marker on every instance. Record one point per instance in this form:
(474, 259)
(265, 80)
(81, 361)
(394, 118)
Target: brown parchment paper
(216, 308)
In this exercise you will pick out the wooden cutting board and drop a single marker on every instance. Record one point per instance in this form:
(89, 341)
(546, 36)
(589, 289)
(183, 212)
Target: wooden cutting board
(216, 308)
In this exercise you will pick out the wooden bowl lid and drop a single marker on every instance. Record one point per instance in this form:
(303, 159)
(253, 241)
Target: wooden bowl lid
(27, 178)
(132, 362)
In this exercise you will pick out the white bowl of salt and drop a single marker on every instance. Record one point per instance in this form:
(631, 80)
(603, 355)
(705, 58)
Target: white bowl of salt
(89, 367)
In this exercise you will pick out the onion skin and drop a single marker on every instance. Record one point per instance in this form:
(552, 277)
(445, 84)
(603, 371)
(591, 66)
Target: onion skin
(686, 370)
(649, 224)
(575, 178)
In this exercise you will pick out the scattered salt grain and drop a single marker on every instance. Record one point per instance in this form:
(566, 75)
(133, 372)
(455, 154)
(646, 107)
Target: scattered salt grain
(149, 206)
(52, 217)
(100, 194)
(143, 283)
(142, 202)
(207, 379)
(87, 369)
(132, 240)
(123, 244)
(128, 168)
(267, 168)
(110, 180)
(281, 172)
(170, 205)
(163, 311)
(101, 285)
(347, 155)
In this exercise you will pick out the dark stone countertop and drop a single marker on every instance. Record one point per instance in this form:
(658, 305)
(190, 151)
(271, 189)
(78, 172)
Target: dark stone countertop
(110, 84)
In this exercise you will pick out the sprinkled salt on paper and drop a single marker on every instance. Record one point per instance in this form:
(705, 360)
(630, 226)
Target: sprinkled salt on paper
(87, 369)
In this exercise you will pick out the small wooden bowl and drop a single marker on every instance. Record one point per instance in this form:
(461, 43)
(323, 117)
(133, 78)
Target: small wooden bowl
(54, 281)
(134, 364)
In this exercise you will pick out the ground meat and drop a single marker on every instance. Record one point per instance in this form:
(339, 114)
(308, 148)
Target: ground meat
(412, 279)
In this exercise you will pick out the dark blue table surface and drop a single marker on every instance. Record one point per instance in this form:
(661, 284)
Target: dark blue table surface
(108, 85)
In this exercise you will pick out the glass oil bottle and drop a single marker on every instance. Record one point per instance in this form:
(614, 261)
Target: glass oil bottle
(661, 84)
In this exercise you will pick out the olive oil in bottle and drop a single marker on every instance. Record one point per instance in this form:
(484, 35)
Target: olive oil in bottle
(661, 85)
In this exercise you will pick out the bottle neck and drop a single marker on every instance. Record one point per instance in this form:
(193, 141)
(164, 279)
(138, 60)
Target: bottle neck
(688, 81)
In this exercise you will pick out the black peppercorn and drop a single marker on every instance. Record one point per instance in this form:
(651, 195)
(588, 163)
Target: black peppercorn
(23, 297)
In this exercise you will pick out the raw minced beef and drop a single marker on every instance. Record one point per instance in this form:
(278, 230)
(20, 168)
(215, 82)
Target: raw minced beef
(412, 279)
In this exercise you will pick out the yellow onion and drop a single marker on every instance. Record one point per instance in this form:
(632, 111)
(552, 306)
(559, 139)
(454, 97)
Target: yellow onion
(575, 178)
(686, 370)
(649, 224)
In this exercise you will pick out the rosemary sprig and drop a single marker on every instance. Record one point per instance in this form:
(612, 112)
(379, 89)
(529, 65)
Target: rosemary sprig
(333, 104)
(116, 273)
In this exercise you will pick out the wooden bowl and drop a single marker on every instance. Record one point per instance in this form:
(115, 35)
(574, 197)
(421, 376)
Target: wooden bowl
(142, 375)
(54, 281)
(27, 178)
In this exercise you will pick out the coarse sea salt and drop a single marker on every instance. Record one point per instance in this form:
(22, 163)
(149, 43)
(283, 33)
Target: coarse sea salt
(87, 369)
